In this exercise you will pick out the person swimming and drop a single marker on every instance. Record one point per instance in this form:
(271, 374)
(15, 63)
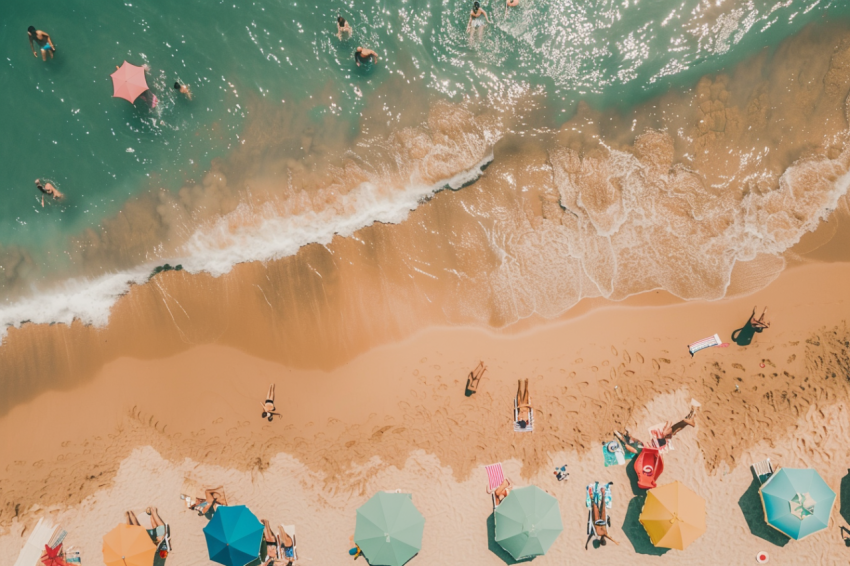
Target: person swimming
(42, 39)
(48, 189)
(477, 20)
(365, 55)
(342, 28)
(183, 89)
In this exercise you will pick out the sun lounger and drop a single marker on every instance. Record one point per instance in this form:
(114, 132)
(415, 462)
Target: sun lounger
(495, 478)
(593, 493)
(528, 427)
(703, 344)
(763, 470)
(290, 530)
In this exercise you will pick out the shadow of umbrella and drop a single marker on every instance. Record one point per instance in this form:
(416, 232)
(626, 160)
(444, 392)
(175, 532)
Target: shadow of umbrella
(635, 532)
(844, 497)
(494, 546)
(751, 507)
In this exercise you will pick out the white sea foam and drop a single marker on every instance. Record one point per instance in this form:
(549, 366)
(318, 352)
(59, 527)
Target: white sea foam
(246, 234)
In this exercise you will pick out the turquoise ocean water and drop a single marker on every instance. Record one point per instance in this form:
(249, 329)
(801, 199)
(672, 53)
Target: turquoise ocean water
(60, 122)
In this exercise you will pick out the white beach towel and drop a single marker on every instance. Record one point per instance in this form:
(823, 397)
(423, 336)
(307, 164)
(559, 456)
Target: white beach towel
(34, 547)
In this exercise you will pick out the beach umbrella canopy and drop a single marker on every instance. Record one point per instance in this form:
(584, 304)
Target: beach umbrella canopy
(389, 529)
(129, 82)
(797, 502)
(528, 521)
(128, 545)
(233, 536)
(673, 516)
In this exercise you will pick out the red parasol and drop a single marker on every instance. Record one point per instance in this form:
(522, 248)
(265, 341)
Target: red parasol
(51, 556)
(129, 82)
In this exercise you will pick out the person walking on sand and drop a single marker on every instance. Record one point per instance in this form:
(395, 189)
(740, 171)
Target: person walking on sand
(477, 21)
(42, 39)
(365, 55)
(183, 89)
(343, 30)
(268, 406)
(48, 189)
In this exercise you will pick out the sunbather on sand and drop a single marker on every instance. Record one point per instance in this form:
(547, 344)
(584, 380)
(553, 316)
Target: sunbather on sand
(627, 440)
(670, 431)
(475, 377)
(759, 323)
(272, 549)
(213, 498)
(288, 544)
(600, 520)
(131, 519)
(268, 406)
(523, 403)
(157, 524)
(502, 491)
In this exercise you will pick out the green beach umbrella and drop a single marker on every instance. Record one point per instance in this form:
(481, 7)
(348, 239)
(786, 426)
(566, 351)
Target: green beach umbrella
(389, 529)
(797, 502)
(528, 521)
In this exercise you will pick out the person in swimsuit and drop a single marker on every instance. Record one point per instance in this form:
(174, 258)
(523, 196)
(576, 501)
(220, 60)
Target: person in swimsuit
(512, 3)
(213, 498)
(268, 407)
(288, 544)
(759, 323)
(48, 189)
(365, 55)
(476, 21)
(157, 529)
(523, 403)
(272, 545)
(502, 491)
(343, 30)
(183, 89)
(42, 39)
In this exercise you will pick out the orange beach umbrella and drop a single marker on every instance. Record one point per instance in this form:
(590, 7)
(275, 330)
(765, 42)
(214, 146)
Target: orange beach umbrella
(129, 82)
(673, 516)
(128, 545)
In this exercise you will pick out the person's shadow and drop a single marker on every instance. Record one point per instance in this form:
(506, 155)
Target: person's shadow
(632, 528)
(753, 510)
(744, 335)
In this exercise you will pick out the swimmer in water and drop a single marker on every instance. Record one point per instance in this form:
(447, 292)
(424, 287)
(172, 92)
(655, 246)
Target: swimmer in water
(42, 39)
(476, 21)
(183, 89)
(48, 189)
(365, 55)
(343, 30)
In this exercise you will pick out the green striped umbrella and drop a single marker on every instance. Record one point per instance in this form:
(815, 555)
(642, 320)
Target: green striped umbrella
(528, 521)
(797, 502)
(389, 529)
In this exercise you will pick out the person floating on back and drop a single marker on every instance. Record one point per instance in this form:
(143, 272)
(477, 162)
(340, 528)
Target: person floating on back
(42, 39)
(477, 21)
(365, 55)
(183, 89)
(343, 30)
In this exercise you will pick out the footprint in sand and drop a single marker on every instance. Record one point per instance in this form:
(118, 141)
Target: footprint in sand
(66, 443)
(655, 364)
(628, 373)
(415, 372)
(738, 366)
(664, 360)
(614, 351)
(605, 363)
(350, 443)
(594, 368)
(218, 421)
(639, 357)
(642, 340)
(423, 360)
(791, 358)
(436, 368)
(627, 357)
(613, 373)
(563, 370)
(572, 374)
(578, 361)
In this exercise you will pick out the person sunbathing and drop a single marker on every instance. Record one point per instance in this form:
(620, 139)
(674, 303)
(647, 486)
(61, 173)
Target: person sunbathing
(268, 406)
(669, 431)
(131, 519)
(759, 323)
(628, 441)
(475, 377)
(272, 546)
(523, 403)
(600, 519)
(157, 524)
(502, 491)
(288, 544)
(213, 498)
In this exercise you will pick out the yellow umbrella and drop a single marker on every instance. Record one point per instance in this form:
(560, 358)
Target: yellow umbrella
(128, 545)
(673, 516)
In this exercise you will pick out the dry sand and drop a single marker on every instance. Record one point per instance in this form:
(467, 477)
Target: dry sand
(395, 417)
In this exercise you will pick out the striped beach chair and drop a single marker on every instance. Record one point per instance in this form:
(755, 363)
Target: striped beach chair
(495, 477)
(763, 470)
(703, 344)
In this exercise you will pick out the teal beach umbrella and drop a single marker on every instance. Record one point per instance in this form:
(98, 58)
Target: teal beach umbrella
(233, 536)
(528, 521)
(389, 529)
(797, 502)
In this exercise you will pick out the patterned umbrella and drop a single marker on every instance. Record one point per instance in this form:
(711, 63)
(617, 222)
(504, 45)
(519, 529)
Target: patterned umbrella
(797, 502)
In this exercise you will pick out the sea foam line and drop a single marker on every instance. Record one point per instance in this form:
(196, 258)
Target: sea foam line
(215, 249)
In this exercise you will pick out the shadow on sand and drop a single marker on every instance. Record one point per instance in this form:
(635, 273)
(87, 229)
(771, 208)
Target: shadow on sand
(632, 528)
(495, 547)
(751, 507)
(744, 335)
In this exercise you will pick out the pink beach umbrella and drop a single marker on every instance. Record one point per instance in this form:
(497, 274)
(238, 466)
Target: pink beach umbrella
(129, 82)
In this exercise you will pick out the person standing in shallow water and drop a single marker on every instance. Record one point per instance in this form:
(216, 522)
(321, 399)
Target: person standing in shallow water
(42, 39)
(343, 30)
(477, 21)
(365, 55)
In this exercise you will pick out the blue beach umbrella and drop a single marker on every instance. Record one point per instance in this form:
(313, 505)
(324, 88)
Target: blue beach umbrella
(233, 536)
(797, 502)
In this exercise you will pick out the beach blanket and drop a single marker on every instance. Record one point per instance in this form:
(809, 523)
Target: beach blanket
(656, 432)
(703, 344)
(619, 457)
